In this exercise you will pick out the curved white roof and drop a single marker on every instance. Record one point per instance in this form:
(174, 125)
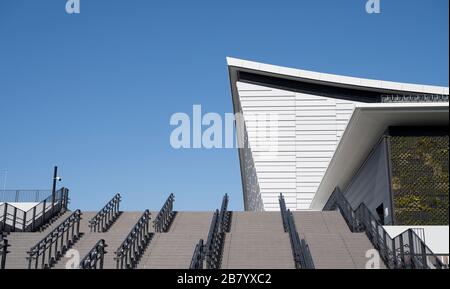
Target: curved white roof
(336, 79)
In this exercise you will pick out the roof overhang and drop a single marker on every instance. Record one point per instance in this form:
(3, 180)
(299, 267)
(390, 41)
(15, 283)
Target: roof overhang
(366, 126)
(325, 84)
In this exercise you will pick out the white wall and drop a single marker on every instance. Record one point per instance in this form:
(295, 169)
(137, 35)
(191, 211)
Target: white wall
(309, 128)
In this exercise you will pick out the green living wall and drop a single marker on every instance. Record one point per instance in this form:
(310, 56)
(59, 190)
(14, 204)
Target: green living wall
(420, 179)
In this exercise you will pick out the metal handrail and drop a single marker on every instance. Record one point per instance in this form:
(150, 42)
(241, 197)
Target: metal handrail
(212, 246)
(94, 259)
(284, 216)
(415, 97)
(216, 236)
(197, 258)
(300, 248)
(134, 245)
(53, 246)
(165, 215)
(103, 220)
(406, 250)
(3, 250)
(210, 252)
(17, 196)
(13, 219)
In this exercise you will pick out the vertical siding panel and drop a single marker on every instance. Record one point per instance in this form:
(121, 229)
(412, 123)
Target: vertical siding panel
(312, 127)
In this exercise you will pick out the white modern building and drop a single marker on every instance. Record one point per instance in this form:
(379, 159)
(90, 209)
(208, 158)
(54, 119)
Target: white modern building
(381, 145)
(314, 110)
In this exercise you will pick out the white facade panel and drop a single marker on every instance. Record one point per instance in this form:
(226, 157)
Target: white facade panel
(305, 134)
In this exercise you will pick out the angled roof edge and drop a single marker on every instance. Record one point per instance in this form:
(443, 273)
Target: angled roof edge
(333, 79)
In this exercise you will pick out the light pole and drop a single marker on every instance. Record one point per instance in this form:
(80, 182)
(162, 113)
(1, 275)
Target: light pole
(55, 179)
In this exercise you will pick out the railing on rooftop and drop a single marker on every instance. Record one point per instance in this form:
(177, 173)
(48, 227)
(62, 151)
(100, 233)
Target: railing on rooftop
(52, 247)
(407, 250)
(134, 245)
(14, 219)
(103, 220)
(300, 249)
(165, 216)
(3, 250)
(94, 259)
(209, 255)
(23, 196)
(393, 98)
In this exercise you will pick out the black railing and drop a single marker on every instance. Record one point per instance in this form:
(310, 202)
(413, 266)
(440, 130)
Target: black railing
(197, 258)
(103, 220)
(390, 98)
(3, 250)
(94, 259)
(53, 246)
(20, 196)
(216, 236)
(300, 249)
(407, 250)
(134, 245)
(211, 252)
(13, 219)
(165, 216)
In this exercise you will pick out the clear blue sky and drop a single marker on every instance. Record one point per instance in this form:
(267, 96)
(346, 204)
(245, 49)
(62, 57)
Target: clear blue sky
(94, 92)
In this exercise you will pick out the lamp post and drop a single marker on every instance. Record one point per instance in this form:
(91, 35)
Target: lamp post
(55, 179)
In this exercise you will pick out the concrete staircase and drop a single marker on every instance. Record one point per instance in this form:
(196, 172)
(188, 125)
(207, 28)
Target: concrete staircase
(22, 242)
(113, 238)
(331, 242)
(256, 241)
(174, 249)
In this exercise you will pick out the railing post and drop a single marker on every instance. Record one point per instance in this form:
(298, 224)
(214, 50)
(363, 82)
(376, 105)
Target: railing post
(65, 198)
(24, 225)
(43, 256)
(50, 249)
(394, 254)
(4, 216)
(43, 211)
(102, 254)
(34, 219)
(4, 252)
(402, 251)
(52, 209)
(411, 247)
(65, 246)
(14, 219)
(30, 259)
(36, 259)
(377, 235)
(78, 225)
(424, 256)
